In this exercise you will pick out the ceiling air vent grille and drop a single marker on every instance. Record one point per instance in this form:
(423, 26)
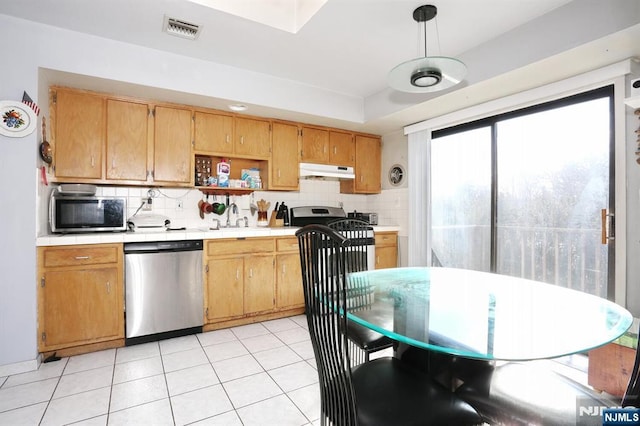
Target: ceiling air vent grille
(180, 28)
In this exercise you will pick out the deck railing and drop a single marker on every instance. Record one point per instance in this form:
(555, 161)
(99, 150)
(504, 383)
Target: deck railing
(572, 258)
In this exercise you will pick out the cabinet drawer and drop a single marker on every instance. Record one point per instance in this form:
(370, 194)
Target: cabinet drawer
(240, 246)
(386, 239)
(287, 244)
(80, 255)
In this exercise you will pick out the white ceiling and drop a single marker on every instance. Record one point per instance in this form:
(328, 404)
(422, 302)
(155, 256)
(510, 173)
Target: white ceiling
(348, 46)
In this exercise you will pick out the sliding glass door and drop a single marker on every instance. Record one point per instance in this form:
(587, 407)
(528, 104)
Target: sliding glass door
(522, 193)
(461, 200)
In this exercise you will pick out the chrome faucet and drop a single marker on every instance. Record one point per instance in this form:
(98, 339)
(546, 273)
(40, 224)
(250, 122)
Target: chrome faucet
(231, 207)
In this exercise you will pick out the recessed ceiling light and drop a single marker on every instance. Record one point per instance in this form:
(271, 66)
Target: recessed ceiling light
(238, 107)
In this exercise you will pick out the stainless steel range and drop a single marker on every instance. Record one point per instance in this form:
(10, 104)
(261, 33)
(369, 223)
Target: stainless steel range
(323, 215)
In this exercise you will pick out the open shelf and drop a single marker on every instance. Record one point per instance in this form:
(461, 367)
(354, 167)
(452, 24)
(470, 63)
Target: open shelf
(216, 190)
(206, 165)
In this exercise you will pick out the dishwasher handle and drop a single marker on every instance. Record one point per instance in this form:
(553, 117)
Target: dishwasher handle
(160, 246)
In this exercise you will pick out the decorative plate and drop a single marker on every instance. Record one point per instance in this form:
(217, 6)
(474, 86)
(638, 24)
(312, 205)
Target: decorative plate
(16, 119)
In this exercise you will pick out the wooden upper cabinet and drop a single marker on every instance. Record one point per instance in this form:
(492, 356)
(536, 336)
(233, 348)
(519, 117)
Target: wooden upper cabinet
(252, 137)
(78, 139)
(213, 133)
(127, 140)
(341, 148)
(315, 145)
(325, 146)
(172, 154)
(284, 157)
(367, 169)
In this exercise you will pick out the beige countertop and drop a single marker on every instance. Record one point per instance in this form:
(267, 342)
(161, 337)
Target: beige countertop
(188, 234)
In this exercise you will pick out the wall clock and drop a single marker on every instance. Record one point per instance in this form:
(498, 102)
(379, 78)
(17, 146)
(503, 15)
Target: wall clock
(396, 174)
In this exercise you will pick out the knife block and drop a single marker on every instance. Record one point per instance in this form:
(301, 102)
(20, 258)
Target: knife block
(272, 219)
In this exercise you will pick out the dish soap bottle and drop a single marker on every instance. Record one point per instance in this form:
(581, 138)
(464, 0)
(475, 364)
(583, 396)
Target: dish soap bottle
(223, 170)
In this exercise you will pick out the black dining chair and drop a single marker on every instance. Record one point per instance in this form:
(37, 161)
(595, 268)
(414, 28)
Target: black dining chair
(364, 339)
(383, 391)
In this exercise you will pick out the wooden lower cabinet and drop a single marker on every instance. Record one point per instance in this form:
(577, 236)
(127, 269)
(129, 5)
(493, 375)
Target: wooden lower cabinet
(80, 295)
(252, 279)
(258, 284)
(289, 290)
(239, 277)
(386, 250)
(225, 288)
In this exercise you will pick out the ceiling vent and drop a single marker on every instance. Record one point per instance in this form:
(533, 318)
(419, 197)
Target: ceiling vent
(180, 28)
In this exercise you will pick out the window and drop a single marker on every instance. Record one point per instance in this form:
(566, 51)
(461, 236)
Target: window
(522, 193)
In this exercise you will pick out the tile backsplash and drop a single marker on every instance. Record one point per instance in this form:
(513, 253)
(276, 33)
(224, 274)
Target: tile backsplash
(180, 205)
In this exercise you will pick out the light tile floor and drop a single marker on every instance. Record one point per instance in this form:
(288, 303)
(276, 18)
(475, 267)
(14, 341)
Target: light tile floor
(258, 374)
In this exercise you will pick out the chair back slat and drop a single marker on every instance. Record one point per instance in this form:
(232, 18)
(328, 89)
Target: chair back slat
(356, 254)
(322, 260)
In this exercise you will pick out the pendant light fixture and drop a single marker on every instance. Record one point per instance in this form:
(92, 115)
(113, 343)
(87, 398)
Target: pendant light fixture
(428, 73)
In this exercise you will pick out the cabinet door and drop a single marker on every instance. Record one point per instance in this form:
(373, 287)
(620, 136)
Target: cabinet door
(315, 146)
(172, 145)
(386, 257)
(213, 133)
(289, 290)
(284, 158)
(368, 165)
(79, 135)
(127, 140)
(367, 169)
(258, 284)
(80, 307)
(341, 148)
(225, 288)
(252, 137)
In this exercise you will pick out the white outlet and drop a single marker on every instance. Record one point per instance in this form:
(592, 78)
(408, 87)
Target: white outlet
(179, 205)
(146, 206)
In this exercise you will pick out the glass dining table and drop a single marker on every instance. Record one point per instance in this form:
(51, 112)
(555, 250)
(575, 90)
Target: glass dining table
(483, 316)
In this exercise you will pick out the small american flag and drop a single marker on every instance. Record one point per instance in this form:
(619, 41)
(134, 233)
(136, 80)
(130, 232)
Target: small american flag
(27, 100)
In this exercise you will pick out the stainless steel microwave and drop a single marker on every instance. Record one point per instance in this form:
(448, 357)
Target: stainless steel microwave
(87, 213)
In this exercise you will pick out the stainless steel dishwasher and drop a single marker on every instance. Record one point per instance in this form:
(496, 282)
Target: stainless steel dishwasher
(163, 289)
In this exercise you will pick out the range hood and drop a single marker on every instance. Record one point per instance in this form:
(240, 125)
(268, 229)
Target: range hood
(324, 170)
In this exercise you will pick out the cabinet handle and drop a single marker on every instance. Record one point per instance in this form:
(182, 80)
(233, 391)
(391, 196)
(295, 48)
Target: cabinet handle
(278, 172)
(82, 257)
(237, 274)
(250, 272)
(108, 287)
(93, 161)
(241, 140)
(377, 260)
(284, 269)
(335, 150)
(324, 149)
(360, 178)
(113, 163)
(227, 138)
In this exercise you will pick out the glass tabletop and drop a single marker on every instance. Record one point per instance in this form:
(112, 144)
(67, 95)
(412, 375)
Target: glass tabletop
(483, 315)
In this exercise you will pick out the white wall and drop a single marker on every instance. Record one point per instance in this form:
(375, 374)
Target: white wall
(17, 215)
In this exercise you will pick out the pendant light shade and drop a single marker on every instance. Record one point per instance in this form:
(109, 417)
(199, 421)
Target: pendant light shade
(428, 73)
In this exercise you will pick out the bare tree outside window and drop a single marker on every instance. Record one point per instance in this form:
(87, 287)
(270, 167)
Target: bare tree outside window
(551, 179)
